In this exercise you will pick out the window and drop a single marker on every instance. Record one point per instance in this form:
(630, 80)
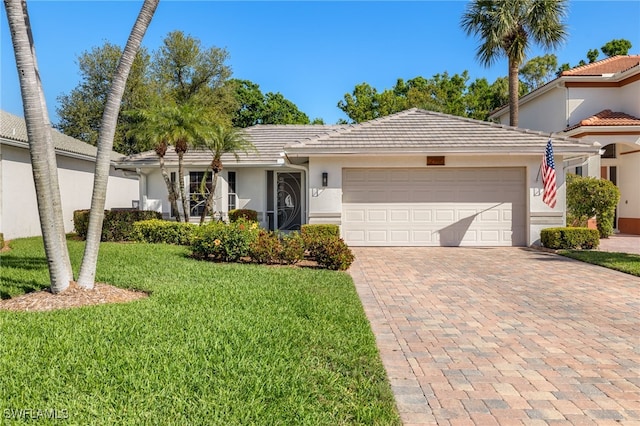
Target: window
(579, 171)
(199, 188)
(609, 151)
(231, 181)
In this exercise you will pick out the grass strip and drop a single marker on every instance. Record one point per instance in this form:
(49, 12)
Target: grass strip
(623, 262)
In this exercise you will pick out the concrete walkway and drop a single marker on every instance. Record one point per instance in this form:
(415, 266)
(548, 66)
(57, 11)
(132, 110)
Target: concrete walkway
(623, 243)
(503, 336)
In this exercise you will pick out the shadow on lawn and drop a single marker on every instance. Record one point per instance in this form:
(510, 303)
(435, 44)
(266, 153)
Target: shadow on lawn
(23, 286)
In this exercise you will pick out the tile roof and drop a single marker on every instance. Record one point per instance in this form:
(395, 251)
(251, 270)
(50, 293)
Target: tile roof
(14, 128)
(269, 140)
(608, 118)
(421, 131)
(612, 65)
(410, 131)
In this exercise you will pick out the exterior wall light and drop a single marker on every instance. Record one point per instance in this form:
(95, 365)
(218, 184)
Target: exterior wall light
(325, 179)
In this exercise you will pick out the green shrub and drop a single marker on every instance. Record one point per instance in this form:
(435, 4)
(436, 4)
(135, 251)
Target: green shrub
(266, 248)
(317, 231)
(163, 231)
(1, 240)
(246, 214)
(117, 224)
(570, 238)
(588, 197)
(270, 247)
(224, 242)
(331, 253)
(293, 248)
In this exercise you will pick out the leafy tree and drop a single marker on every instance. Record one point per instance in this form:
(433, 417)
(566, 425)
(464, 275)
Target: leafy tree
(362, 104)
(507, 28)
(42, 149)
(538, 71)
(81, 110)
(616, 47)
(221, 140)
(592, 55)
(254, 107)
(588, 197)
(278, 110)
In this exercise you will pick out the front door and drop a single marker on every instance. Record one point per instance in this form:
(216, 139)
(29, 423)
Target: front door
(288, 200)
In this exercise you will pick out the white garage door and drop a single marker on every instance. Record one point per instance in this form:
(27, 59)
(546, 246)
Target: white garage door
(434, 207)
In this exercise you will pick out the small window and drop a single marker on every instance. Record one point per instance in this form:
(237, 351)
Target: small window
(199, 188)
(609, 151)
(231, 181)
(579, 171)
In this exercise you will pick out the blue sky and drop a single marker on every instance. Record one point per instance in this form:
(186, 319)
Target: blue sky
(311, 52)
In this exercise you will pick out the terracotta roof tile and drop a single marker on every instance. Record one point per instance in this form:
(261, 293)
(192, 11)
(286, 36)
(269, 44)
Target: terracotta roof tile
(612, 65)
(608, 118)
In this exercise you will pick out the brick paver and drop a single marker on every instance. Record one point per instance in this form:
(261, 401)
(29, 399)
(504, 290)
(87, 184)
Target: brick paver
(503, 336)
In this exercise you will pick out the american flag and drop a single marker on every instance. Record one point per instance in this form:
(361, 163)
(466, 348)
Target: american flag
(549, 176)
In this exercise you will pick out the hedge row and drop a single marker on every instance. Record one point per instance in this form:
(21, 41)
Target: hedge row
(570, 238)
(117, 224)
(243, 240)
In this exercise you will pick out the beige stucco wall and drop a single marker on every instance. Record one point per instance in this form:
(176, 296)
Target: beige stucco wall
(546, 113)
(19, 206)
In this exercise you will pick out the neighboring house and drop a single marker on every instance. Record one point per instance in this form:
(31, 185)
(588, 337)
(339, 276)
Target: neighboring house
(415, 178)
(76, 163)
(595, 102)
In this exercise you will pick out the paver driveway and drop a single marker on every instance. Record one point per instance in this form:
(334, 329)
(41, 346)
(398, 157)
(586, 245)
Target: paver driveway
(503, 335)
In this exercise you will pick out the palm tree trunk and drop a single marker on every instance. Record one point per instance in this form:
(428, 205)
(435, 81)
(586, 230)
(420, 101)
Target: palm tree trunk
(41, 147)
(209, 203)
(183, 195)
(513, 92)
(173, 197)
(87, 274)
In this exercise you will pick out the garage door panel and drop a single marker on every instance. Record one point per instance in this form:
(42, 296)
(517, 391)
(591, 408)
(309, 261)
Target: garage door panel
(398, 215)
(434, 207)
(377, 215)
(400, 236)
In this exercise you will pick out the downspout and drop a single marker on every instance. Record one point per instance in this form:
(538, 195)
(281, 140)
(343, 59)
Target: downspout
(306, 182)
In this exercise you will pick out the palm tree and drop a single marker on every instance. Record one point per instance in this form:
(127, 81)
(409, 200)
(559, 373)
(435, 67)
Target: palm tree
(150, 129)
(108, 126)
(507, 28)
(221, 140)
(188, 125)
(41, 147)
(42, 152)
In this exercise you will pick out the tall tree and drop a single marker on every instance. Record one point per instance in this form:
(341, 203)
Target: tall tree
(538, 71)
(41, 147)
(82, 109)
(108, 127)
(221, 140)
(507, 28)
(186, 72)
(592, 55)
(362, 104)
(616, 47)
(253, 107)
(150, 129)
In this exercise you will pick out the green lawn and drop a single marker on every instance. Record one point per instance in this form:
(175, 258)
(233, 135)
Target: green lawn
(624, 262)
(214, 344)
